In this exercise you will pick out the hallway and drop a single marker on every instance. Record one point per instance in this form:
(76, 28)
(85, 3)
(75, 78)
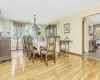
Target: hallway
(94, 55)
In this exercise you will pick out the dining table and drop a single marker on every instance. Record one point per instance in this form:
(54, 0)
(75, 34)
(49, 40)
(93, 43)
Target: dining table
(39, 44)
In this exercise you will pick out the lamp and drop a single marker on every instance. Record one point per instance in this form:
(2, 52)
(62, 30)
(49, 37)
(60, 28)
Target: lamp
(66, 37)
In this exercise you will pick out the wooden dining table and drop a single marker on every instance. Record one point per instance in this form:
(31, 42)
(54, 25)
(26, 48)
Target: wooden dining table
(38, 45)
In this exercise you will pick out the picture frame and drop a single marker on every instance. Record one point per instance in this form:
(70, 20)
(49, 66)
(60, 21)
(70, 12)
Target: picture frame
(67, 28)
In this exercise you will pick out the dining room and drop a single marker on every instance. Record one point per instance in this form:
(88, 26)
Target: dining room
(34, 43)
(43, 40)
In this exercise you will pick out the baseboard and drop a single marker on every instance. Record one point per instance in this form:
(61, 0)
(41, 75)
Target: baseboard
(75, 54)
(71, 53)
(16, 50)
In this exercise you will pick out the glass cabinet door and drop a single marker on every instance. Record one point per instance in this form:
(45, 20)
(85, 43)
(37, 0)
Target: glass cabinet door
(51, 30)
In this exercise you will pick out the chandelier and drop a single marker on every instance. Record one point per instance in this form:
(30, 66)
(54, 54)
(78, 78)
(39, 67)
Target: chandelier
(35, 27)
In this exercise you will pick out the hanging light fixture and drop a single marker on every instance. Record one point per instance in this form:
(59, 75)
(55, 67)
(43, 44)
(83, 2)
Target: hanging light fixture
(34, 24)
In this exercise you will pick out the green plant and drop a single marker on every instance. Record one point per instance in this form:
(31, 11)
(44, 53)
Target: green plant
(39, 33)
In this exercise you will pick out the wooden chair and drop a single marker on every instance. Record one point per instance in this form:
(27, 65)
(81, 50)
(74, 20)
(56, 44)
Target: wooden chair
(24, 42)
(49, 50)
(31, 50)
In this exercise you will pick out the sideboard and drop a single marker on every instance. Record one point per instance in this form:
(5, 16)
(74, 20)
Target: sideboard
(5, 48)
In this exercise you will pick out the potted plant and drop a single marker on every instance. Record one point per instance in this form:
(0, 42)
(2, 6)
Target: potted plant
(39, 33)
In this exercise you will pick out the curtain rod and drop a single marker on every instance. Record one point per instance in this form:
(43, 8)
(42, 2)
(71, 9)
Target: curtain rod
(24, 22)
(20, 21)
(17, 20)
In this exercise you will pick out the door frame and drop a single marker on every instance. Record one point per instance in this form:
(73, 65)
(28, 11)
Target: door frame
(83, 36)
(83, 21)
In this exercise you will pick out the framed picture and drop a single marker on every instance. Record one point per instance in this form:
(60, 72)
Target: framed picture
(66, 28)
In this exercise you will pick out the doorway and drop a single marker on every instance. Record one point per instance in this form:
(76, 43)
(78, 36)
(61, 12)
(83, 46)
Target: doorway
(91, 36)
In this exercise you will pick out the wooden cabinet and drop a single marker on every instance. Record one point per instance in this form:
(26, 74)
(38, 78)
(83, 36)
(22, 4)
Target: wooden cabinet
(5, 48)
(51, 29)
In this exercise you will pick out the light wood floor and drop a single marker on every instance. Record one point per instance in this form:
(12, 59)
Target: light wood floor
(66, 68)
(93, 55)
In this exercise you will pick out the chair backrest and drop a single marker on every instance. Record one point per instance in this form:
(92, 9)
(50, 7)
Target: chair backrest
(51, 43)
(29, 40)
(24, 40)
(30, 43)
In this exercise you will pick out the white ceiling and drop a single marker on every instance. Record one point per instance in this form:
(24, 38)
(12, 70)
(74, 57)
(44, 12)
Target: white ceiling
(95, 18)
(46, 10)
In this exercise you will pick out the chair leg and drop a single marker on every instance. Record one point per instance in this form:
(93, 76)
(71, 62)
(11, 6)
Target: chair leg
(54, 59)
(33, 59)
(23, 50)
(27, 52)
(41, 57)
(29, 55)
(46, 60)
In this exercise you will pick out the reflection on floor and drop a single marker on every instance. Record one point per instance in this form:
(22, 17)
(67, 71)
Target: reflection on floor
(95, 54)
(66, 68)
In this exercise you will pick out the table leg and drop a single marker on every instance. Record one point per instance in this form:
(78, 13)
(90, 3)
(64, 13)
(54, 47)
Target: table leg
(68, 48)
(65, 49)
(66, 52)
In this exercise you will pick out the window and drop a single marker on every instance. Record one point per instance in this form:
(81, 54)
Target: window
(24, 30)
(27, 30)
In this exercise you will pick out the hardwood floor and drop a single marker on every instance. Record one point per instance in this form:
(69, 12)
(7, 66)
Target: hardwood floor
(66, 68)
(93, 55)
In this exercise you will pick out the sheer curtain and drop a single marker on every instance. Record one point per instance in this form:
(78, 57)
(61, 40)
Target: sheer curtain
(27, 29)
(16, 33)
(18, 30)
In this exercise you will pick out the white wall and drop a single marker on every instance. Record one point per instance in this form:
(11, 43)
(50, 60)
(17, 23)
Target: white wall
(75, 28)
(97, 30)
(87, 37)
(98, 33)
(42, 30)
(7, 26)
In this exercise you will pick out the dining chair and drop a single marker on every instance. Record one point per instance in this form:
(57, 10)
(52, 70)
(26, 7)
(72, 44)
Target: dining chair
(31, 50)
(24, 42)
(49, 50)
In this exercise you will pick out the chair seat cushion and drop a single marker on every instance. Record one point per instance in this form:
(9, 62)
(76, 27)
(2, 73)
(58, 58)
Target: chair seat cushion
(48, 52)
